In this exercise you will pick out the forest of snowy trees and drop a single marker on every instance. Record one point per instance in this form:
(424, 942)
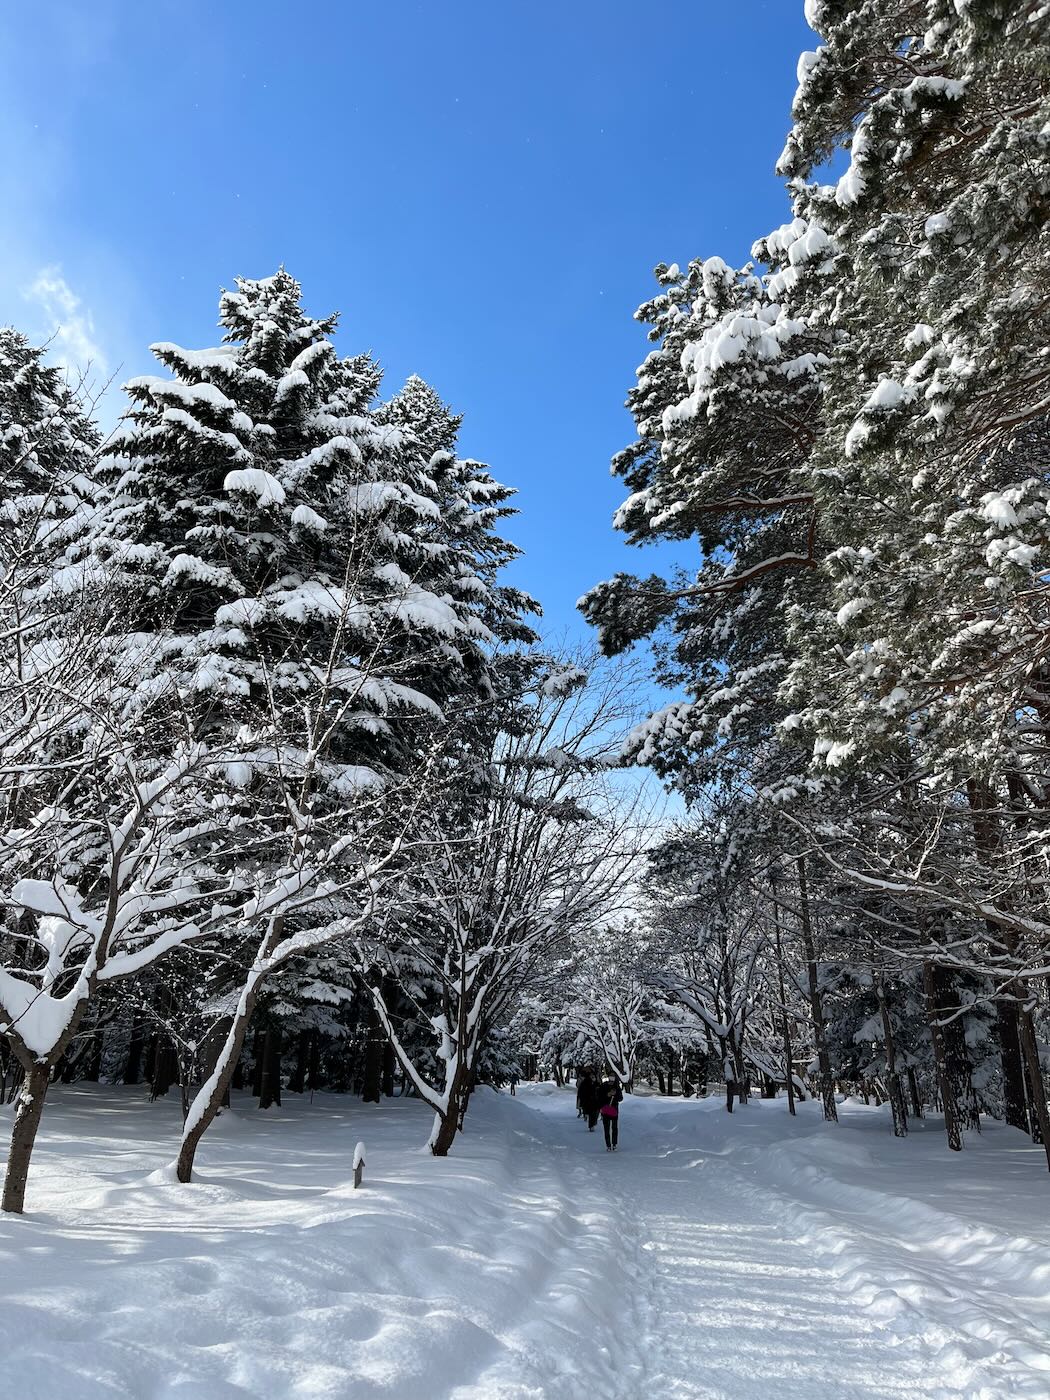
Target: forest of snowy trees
(855, 429)
(290, 791)
(294, 797)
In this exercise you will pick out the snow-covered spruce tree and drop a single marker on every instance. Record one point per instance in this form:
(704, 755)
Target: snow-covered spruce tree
(270, 506)
(129, 836)
(931, 471)
(48, 444)
(294, 537)
(852, 271)
(47, 449)
(727, 410)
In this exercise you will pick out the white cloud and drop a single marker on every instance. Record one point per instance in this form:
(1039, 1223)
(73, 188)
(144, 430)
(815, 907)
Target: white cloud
(70, 327)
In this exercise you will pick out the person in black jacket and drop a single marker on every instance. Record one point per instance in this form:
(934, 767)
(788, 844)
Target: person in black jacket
(583, 1083)
(611, 1098)
(589, 1098)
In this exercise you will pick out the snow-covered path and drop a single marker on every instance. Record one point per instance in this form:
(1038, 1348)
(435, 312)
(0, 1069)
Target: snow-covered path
(726, 1303)
(711, 1258)
(725, 1300)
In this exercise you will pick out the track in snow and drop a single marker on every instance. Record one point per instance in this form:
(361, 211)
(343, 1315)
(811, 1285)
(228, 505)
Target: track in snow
(723, 1300)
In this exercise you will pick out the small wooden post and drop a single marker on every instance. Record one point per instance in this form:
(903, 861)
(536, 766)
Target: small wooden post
(359, 1164)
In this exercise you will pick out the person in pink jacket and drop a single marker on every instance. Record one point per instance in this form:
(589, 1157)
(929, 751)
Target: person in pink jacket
(612, 1097)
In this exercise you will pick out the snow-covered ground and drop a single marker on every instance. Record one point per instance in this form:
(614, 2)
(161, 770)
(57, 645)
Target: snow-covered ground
(711, 1258)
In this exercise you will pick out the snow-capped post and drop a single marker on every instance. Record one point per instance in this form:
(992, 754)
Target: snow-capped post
(359, 1164)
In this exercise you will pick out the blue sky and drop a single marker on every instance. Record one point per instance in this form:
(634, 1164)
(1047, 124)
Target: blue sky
(482, 187)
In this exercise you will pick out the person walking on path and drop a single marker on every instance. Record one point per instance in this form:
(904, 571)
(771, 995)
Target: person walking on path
(583, 1092)
(612, 1097)
(590, 1097)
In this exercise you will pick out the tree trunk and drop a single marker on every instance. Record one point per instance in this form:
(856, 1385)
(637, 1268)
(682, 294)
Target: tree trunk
(375, 1043)
(789, 1076)
(1036, 1087)
(297, 1079)
(164, 1066)
(389, 1066)
(988, 841)
(729, 1074)
(1015, 1108)
(931, 989)
(93, 1068)
(313, 1067)
(258, 1056)
(211, 1094)
(827, 1082)
(28, 1112)
(913, 1089)
(270, 1096)
(448, 1124)
(133, 1064)
(896, 1089)
(389, 1058)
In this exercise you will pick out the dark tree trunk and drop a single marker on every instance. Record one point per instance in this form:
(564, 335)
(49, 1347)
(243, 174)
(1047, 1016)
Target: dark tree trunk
(896, 1089)
(389, 1068)
(133, 1064)
(375, 1043)
(932, 990)
(297, 1079)
(93, 1068)
(1036, 1087)
(785, 1033)
(313, 1068)
(913, 1089)
(28, 1112)
(827, 1082)
(988, 840)
(152, 1049)
(270, 1094)
(164, 1068)
(258, 1054)
(1015, 1108)
(227, 1064)
(452, 1120)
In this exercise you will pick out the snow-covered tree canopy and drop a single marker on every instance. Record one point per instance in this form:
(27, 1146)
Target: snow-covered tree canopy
(854, 429)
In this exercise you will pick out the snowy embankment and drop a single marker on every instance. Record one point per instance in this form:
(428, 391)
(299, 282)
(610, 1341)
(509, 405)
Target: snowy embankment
(731, 1258)
(925, 1236)
(949, 1252)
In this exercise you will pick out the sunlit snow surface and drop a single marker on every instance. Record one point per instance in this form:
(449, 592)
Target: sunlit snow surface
(714, 1258)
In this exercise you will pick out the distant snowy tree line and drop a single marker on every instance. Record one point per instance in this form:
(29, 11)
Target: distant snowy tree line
(855, 429)
(292, 798)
